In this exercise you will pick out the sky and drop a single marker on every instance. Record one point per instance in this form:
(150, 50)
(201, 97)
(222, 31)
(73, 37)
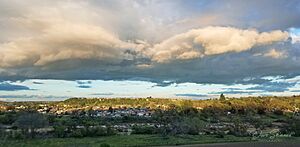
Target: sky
(198, 49)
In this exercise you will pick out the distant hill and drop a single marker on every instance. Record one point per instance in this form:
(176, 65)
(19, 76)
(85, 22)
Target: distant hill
(290, 104)
(247, 103)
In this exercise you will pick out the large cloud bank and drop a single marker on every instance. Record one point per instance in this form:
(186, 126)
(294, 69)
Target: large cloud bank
(213, 40)
(134, 40)
(72, 41)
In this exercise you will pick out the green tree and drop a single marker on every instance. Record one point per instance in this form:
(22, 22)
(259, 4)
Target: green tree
(31, 121)
(60, 131)
(296, 127)
(222, 97)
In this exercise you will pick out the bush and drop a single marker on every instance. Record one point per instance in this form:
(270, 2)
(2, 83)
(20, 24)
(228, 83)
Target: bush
(14, 135)
(77, 133)
(100, 131)
(220, 134)
(278, 112)
(143, 130)
(239, 130)
(104, 145)
(296, 127)
(111, 131)
(59, 131)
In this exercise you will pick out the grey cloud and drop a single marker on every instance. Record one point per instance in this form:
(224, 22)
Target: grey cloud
(191, 95)
(229, 68)
(34, 82)
(163, 84)
(84, 86)
(4, 86)
(71, 51)
(84, 82)
(235, 92)
(273, 86)
(263, 14)
(36, 97)
(102, 94)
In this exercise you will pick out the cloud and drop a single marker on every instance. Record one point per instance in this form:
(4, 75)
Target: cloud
(236, 91)
(212, 41)
(25, 96)
(102, 94)
(295, 91)
(163, 84)
(295, 34)
(34, 82)
(136, 40)
(72, 31)
(273, 53)
(84, 84)
(64, 42)
(64, 37)
(5, 86)
(273, 86)
(191, 95)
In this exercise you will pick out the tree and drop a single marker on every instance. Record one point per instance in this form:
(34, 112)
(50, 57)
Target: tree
(59, 131)
(222, 97)
(110, 109)
(296, 127)
(31, 121)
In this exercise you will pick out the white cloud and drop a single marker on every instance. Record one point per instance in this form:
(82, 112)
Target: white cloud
(211, 41)
(295, 35)
(62, 42)
(62, 30)
(295, 38)
(65, 32)
(273, 53)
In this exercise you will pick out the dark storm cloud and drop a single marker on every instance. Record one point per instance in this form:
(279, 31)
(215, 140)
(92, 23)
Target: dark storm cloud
(230, 68)
(76, 53)
(4, 86)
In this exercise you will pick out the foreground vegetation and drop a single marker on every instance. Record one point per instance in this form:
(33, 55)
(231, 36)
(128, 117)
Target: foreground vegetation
(149, 121)
(137, 140)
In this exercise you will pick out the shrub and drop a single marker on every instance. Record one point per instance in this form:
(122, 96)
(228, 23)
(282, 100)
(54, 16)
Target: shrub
(77, 133)
(59, 131)
(143, 130)
(100, 131)
(104, 145)
(296, 127)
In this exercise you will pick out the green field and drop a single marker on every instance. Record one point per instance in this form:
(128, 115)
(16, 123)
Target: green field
(136, 141)
(115, 141)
